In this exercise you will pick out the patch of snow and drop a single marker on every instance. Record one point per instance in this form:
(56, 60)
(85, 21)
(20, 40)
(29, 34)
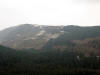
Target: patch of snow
(55, 36)
(52, 36)
(18, 35)
(78, 57)
(31, 38)
(35, 25)
(41, 33)
(62, 27)
(62, 31)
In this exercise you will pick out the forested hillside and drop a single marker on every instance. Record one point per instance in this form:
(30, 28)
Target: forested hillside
(78, 39)
(50, 50)
(33, 62)
(39, 37)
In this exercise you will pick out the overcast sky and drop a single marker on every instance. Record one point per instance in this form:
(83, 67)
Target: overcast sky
(49, 12)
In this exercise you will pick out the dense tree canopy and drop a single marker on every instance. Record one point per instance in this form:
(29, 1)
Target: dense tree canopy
(54, 62)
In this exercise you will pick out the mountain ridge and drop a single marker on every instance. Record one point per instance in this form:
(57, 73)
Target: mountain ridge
(50, 37)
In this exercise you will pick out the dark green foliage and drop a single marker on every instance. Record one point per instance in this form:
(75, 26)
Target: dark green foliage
(54, 62)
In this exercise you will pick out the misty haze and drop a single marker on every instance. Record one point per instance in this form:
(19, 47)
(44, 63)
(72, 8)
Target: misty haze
(49, 37)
